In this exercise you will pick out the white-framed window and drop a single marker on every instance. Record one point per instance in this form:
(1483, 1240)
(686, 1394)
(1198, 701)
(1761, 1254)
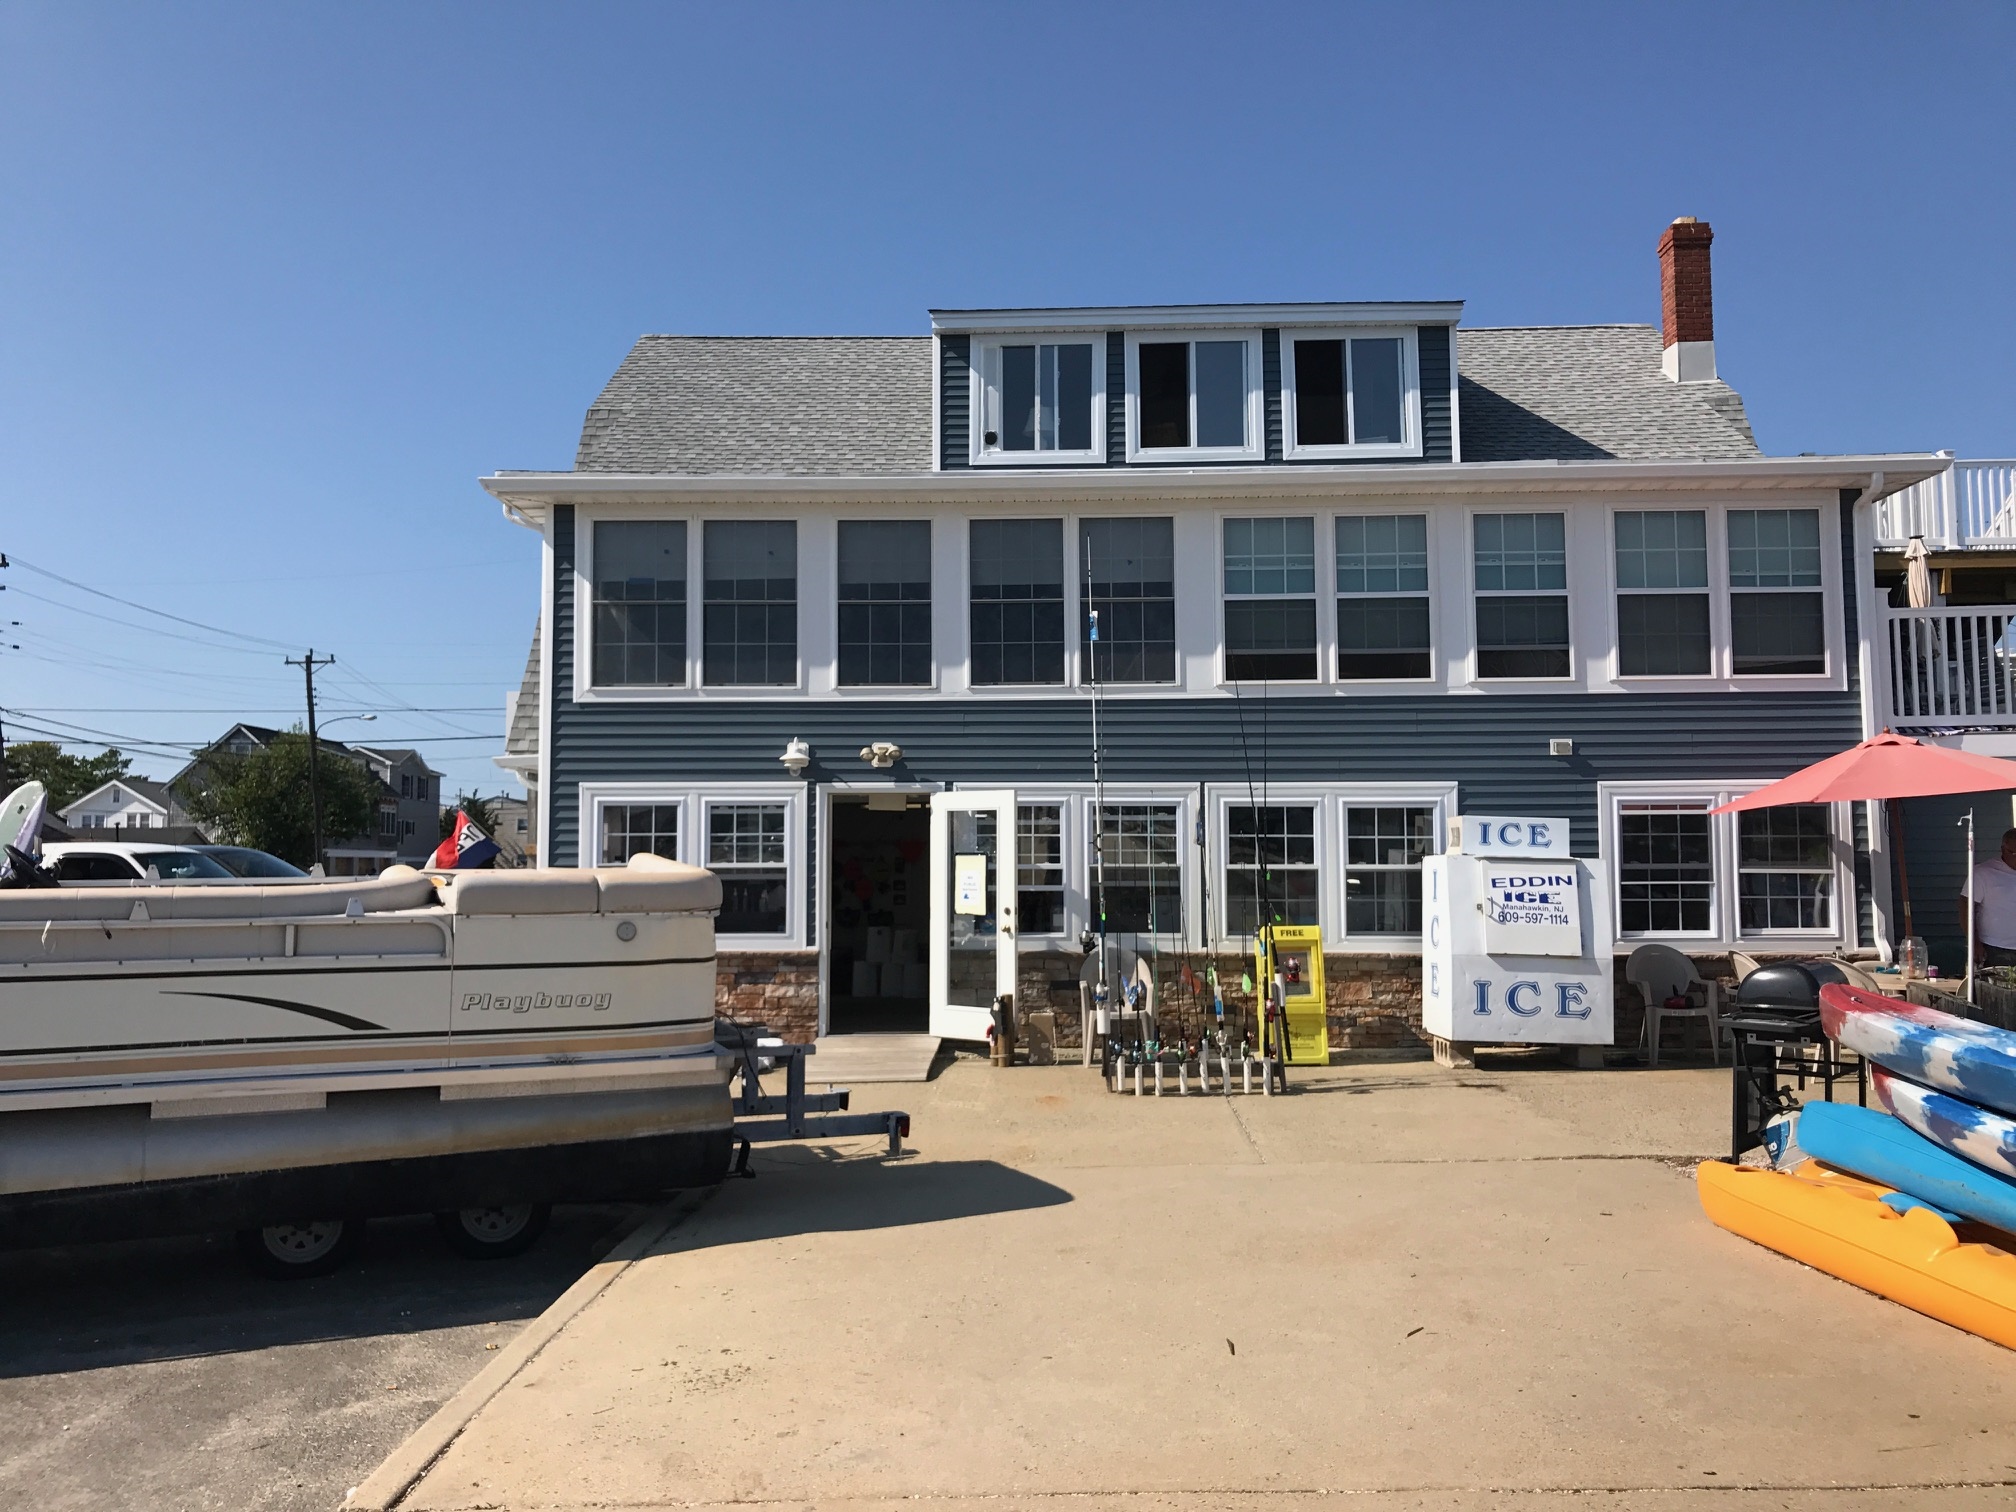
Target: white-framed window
(885, 603)
(1270, 599)
(1194, 396)
(1777, 604)
(1039, 398)
(1384, 630)
(637, 604)
(1127, 566)
(1681, 872)
(752, 835)
(749, 603)
(1015, 583)
(1520, 563)
(1350, 393)
(1040, 892)
(1663, 620)
(1383, 847)
(1270, 866)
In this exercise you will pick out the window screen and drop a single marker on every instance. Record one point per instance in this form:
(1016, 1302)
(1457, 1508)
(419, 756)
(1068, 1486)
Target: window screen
(639, 608)
(750, 609)
(885, 603)
(1129, 570)
(1017, 608)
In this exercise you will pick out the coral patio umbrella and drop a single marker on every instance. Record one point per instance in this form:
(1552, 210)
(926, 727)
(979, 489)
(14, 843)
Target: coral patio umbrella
(1889, 767)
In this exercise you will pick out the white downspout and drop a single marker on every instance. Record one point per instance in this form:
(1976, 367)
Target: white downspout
(1873, 654)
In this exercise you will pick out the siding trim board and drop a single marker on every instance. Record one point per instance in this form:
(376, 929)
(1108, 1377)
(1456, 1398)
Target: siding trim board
(955, 402)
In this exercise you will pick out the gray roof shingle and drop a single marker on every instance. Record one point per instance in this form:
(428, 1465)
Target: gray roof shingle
(813, 405)
(522, 739)
(861, 405)
(1585, 393)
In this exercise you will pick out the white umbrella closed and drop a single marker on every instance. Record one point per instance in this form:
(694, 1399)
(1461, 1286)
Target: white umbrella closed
(1917, 575)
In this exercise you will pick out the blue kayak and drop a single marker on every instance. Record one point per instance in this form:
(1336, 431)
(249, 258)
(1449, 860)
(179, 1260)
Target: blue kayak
(1880, 1148)
(1957, 1056)
(1984, 1138)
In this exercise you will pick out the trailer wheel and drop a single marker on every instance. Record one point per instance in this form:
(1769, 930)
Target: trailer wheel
(311, 1248)
(492, 1233)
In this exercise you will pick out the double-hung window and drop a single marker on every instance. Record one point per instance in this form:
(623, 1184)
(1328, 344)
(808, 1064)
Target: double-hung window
(1349, 395)
(1270, 599)
(1785, 869)
(639, 603)
(1129, 570)
(1040, 400)
(1016, 621)
(745, 849)
(885, 603)
(1776, 613)
(1139, 867)
(1270, 866)
(1662, 593)
(1522, 595)
(632, 829)
(1039, 868)
(749, 576)
(1195, 396)
(1383, 847)
(1382, 597)
(1665, 869)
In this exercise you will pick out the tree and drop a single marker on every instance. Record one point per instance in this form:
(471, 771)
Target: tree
(480, 810)
(67, 777)
(261, 798)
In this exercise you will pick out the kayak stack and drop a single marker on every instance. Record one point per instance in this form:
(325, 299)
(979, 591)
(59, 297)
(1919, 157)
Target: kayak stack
(1916, 1202)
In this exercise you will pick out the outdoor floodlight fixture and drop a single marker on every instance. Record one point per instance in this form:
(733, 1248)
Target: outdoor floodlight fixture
(1560, 748)
(882, 755)
(797, 756)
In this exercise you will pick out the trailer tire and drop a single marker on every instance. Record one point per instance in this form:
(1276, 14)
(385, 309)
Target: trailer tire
(313, 1247)
(494, 1233)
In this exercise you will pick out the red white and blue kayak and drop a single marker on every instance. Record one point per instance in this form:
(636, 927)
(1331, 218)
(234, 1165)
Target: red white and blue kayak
(1974, 1062)
(1976, 1134)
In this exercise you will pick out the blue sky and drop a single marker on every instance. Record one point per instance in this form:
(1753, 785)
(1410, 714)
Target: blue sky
(278, 283)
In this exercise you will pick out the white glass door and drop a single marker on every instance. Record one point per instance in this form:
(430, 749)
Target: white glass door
(972, 910)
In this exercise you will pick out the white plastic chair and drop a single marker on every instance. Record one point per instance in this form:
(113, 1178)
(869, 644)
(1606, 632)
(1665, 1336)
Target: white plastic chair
(1661, 974)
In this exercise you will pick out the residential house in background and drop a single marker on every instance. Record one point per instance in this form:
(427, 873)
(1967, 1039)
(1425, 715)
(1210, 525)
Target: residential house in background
(113, 810)
(818, 613)
(513, 832)
(409, 801)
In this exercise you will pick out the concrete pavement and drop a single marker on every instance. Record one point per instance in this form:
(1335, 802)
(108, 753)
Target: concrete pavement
(1400, 1286)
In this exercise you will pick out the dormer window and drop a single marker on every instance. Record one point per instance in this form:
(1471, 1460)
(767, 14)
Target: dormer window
(1041, 400)
(1193, 397)
(1350, 394)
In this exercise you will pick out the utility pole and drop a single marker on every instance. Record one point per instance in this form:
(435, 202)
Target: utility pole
(308, 664)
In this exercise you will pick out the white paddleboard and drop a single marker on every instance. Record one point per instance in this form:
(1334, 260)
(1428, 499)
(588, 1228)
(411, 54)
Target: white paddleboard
(24, 805)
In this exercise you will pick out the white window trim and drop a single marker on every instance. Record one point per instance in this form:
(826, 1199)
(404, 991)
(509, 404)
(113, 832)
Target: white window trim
(693, 802)
(585, 688)
(880, 690)
(1473, 595)
(961, 527)
(982, 363)
(1716, 591)
(1255, 448)
(1185, 801)
(1435, 637)
(1726, 933)
(1410, 393)
(1326, 629)
(1077, 903)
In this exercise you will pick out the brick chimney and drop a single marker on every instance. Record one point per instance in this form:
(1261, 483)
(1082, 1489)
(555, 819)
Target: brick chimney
(1687, 301)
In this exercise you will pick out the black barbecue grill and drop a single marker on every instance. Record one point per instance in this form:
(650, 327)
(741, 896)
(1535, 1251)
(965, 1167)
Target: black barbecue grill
(1775, 1032)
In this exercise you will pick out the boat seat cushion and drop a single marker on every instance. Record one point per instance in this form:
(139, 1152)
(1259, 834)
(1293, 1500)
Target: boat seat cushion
(555, 891)
(220, 900)
(651, 884)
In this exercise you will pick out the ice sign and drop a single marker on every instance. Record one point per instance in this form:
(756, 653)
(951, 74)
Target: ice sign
(1532, 908)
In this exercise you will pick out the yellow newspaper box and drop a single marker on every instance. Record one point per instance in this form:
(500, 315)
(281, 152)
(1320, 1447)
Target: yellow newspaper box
(1297, 960)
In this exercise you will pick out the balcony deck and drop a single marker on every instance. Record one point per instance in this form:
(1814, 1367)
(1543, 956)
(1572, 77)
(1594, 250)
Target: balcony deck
(1971, 506)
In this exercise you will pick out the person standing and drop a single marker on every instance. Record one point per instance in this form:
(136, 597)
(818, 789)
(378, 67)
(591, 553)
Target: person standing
(1995, 906)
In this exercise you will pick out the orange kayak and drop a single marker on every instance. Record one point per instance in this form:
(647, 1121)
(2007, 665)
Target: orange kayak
(1839, 1224)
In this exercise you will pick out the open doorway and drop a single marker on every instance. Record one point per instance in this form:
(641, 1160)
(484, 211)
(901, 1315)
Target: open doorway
(879, 909)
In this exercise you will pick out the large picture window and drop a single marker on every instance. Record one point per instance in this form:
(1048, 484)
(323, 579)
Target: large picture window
(885, 603)
(745, 849)
(1270, 866)
(1017, 610)
(639, 608)
(1662, 593)
(1777, 618)
(1383, 847)
(1039, 399)
(750, 611)
(1681, 871)
(1129, 568)
(1270, 599)
(1382, 597)
(1522, 595)
(1141, 856)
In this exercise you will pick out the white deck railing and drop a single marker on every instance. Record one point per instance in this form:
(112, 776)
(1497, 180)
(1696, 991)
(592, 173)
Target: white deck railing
(1971, 504)
(1952, 668)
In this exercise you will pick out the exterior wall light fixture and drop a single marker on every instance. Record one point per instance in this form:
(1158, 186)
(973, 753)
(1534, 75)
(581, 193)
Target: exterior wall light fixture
(797, 756)
(882, 755)
(1560, 748)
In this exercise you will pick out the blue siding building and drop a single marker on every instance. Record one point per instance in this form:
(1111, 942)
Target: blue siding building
(1353, 568)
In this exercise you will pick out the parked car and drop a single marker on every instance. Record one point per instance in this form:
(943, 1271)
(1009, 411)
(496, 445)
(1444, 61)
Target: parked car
(122, 861)
(243, 861)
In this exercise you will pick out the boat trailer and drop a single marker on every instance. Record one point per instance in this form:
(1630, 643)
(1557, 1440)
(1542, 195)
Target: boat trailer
(765, 1118)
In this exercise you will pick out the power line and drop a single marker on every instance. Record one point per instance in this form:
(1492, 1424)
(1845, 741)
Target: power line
(113, 619)
(257, 640)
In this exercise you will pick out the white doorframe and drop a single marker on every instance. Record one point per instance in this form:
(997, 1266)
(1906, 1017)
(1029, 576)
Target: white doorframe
(967, 1021)
(822, 878)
